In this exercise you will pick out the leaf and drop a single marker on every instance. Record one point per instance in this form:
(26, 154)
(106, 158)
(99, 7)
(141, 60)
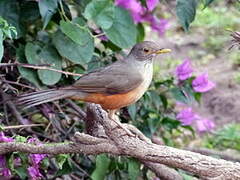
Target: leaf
(21, 172)
(27, 73)
(75, 32)
(71, 50)
(123, 32)
(47, 55)
(47, 8)
(132, 110)
(170, 124)
(133, 169)
(101, 12)
(50, 56)
(32, 52)
(10, 11)
(61, 159)
(186, 11)
(102, 164)
(179, 95)
(1, 45)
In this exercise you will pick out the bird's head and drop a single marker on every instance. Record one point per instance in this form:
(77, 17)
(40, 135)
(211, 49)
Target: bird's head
(146, 50)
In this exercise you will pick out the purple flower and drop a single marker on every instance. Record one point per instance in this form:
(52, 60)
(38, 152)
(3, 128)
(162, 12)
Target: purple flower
(204, 125)
(184, 70)
(187, 116)
(151, 4)
(5, 172)
(35, 159)
(34, 173)
(202, 84)
(158, 25)
(3, 138)
(133, 5)
(142, 14)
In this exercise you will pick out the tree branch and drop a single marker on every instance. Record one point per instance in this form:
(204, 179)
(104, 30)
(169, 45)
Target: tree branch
(118, 143)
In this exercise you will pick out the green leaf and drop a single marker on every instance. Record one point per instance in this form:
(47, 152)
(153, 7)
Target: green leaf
(102, 164)
(50, 56)
(123, 32)
(47, 9)
(19, 138)
(47, 55)
(27, 73)
(186, 11)
(170, 124)
(133, 169)
(10, 11)
(1, 45)
(32, 51)
(61, 159)
(132, 110)
(75, 32)
(101, 12)
(21, 172)
(179, 95)
(71, 50)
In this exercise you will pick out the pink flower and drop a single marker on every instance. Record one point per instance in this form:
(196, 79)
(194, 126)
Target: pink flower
(3, 138)
(34, 173)
(5, 172)
(35, 159)
(151, 4)
(132, 5)
(141, 14)
(184, 70)
(204, 125)
(187, 116)
(202, 84)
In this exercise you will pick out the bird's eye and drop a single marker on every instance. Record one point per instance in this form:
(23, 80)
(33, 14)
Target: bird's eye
(145, 50)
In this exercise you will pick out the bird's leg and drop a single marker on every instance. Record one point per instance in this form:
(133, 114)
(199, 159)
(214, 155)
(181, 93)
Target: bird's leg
(114, 118)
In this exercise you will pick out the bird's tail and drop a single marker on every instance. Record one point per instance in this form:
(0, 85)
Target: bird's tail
(40, 97)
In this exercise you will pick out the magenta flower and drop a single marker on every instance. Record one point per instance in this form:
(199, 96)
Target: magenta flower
(5, 172)
(151, 4)
(184, 70)
(34, 172)
(204, 125)
(35, 159)
(3, 138)
(141, 14)
(187, 116)
(202, 84)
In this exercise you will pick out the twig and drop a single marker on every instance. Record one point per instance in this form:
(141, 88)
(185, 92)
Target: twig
(19, 84)
(41, 67)
(21, 126)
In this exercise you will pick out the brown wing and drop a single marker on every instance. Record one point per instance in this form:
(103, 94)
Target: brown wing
(116, 78)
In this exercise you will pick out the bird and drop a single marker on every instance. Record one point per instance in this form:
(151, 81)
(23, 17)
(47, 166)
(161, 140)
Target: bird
(117, 85)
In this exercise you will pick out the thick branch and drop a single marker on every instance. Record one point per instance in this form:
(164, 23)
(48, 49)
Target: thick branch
(118, 143)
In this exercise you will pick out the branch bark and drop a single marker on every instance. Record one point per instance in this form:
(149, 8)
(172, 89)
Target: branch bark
(116, 142)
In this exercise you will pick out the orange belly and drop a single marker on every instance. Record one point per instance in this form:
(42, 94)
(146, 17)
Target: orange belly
(115, 101)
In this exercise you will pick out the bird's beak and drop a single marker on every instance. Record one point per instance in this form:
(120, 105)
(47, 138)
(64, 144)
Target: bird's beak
(161, 51)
